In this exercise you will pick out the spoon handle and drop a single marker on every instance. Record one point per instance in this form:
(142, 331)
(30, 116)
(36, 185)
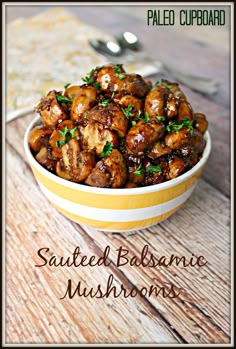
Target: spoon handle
(200, 84)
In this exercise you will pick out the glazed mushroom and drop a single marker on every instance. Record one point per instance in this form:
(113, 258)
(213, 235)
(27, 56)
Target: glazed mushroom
(109, 172)
(50, 110)
(77, 163)
(38, 137)
(142, 135)
(84, 100)
(110, 116)
(117, 130)
(94, 136)
(65, 131)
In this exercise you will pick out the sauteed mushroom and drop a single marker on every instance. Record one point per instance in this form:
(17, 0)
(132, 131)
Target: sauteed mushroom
(117, 130)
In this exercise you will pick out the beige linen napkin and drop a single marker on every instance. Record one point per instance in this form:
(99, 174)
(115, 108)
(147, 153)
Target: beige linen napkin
(48, 51)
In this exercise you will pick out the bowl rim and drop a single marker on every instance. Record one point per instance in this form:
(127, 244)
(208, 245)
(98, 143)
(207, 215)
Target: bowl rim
(114, 191)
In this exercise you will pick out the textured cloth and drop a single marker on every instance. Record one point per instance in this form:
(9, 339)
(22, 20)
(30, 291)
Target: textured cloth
(47, 52)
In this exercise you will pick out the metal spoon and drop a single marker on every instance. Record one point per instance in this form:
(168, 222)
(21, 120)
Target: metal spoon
(108, 48)
(129, 47)
(128, 40)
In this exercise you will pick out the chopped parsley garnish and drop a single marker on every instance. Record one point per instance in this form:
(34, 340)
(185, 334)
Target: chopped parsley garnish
(153, 169)
(89, 79)
(161, 118)
(62, 99)
(161, 82)
(117, 68)
(139, 171)
(127, 111)
(60, 143)
(121, 76)
(107, 149)
(97, 85)
(67, 135)
(86, 114)
(157, 83)
(63, 132)
(67, 85)
(133, 123)
(144, 119)
(72, 131)
(106, 101)
(185, 122)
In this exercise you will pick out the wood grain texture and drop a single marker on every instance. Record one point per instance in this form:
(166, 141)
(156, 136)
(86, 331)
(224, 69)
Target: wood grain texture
(201, 313)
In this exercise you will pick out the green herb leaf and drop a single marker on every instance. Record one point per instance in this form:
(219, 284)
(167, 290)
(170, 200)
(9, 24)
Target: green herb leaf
(63, 132)
(104, 102)
(169, 86)
(71, 96)
(161, 118)
(185, 122)
(133, 123)
(88, 80)
(117, 68)
(60, 143)
(86, 114)
(72, 131)
(67, 85)
(127, 111)
(62, 99)
(139, 171)
(107, 149)
(144, 119)
(97, 85)
(67, 135)
(153, 169)
(157, 83)
(122, 76)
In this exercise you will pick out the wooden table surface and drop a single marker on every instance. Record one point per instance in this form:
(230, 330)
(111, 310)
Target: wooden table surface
(201, 313)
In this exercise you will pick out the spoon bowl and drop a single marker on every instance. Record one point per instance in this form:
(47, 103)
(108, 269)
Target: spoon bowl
(108, 48)
(128, 40)
(129, 47)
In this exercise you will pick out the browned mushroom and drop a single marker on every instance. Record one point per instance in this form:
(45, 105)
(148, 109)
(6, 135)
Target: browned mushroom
(50, 110)
(44, 158)
(111, 171)
(78, 163)
(158, 149)
(71, 91)
(38, 137)
(66, 130)
(110, 116)
(201, 123)
(155, 102)
(143, 135)
(84, 100)
(94, 137)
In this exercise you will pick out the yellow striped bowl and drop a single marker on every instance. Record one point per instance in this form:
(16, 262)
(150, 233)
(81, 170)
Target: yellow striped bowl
(116, 209)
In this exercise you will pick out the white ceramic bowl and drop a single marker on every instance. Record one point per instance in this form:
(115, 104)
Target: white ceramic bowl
(122, 209)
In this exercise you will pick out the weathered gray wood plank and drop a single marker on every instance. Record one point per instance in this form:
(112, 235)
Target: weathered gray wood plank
(34, 311)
